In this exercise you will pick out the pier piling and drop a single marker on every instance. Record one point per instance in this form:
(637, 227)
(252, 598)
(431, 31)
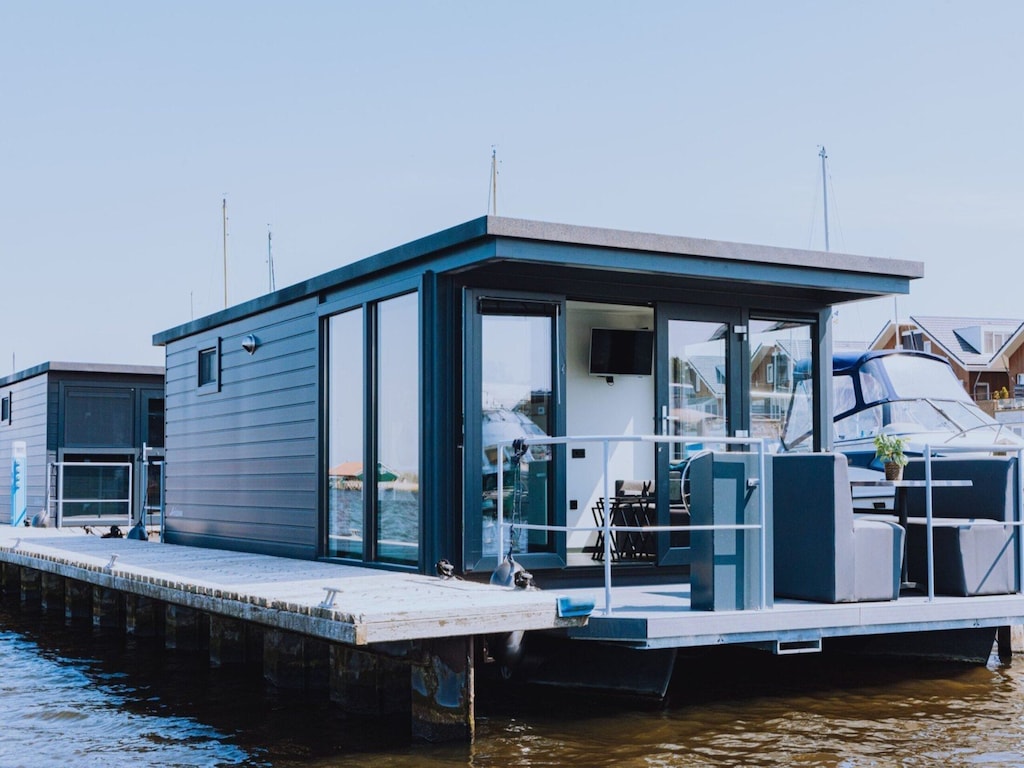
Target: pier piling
(144, 616)
(77, 601)
(443, 699)
(186, 629)
(31, 590)
(108, 608)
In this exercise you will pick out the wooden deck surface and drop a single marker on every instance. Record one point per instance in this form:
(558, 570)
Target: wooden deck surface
(370, 605)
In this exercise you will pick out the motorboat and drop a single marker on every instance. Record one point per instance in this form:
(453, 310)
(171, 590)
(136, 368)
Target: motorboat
(908, 393)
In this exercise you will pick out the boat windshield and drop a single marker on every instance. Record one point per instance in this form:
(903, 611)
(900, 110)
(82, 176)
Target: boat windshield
(905, 394)
(910, 378)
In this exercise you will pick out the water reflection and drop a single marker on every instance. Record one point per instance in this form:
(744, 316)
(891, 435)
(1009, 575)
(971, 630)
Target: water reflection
(68, 696)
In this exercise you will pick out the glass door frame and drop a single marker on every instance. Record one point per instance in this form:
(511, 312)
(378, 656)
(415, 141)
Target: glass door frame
(472, 438)
(737, 415)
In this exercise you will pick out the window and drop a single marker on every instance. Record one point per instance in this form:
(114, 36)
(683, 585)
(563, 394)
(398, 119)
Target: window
(994, 341)
(97, 417)
(373, 421)
(5, 410)
(208, 364)
(781, 383)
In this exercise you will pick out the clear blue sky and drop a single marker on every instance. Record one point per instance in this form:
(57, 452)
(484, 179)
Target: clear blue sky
(352, 127)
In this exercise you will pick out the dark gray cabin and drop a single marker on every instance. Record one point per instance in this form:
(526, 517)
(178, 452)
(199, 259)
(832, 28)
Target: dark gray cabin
(419, 360)
(82, 440)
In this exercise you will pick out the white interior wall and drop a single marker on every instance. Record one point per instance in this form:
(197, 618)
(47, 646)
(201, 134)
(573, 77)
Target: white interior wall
(593, 407)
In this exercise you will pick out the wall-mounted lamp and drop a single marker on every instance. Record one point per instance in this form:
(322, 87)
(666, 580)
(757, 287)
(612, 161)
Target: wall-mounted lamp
(250, 343)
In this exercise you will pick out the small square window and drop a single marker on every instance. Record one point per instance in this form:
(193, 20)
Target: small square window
(208, 379)
(5, 410)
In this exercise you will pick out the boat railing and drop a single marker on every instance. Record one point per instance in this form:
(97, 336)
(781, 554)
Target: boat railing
(608, 528)
(928, 454)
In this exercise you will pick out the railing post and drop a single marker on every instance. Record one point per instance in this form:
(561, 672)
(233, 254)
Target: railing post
(930, 545)
(499, 500)
(60, 494)
(607, 535)
(1018, 518)
(761, 507)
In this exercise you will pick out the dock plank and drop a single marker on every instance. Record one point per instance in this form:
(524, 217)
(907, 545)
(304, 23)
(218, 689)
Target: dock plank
(370, 605)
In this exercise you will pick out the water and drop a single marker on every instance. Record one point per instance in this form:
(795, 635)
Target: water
(70, 697)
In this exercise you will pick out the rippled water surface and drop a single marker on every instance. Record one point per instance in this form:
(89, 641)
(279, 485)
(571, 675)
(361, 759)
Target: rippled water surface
(71, 697)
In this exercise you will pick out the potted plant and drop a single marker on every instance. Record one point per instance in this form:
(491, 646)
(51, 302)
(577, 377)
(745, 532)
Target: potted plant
(889, 450)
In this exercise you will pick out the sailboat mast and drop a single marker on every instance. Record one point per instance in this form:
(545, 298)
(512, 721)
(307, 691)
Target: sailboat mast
(224, 232)
(824, 191)
(494, 181)
(270, 262)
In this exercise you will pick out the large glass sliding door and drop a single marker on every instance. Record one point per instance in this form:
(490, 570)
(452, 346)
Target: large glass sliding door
(697, 395)
(374, 421)
(515, 391)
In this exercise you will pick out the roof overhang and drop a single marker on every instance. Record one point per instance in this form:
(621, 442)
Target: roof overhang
(833, 277)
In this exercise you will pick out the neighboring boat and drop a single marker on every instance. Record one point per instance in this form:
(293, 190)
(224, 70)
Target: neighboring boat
(902, 392)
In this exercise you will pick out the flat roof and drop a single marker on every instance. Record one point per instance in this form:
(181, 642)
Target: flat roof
(105, 368)
(716, 260)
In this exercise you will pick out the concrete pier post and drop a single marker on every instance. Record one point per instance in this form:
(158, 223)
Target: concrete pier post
(367, 683)
(443, 704)
(9, 580)
(185, 629)
(31, 590)
(108, 608)
(144, 616)
(297, 662)
(77, 600)
(230, 642)
(53, 592)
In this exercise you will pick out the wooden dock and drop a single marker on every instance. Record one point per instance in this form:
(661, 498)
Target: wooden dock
(370, 605)
(392, 641)
(343, 619)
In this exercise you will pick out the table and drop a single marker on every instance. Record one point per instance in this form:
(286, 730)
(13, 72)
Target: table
(899, 502)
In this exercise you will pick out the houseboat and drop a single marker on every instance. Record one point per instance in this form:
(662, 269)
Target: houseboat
(509, 382)
(84, 444)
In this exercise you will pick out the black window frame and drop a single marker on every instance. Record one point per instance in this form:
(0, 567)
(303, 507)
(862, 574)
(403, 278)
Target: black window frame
(211, 385)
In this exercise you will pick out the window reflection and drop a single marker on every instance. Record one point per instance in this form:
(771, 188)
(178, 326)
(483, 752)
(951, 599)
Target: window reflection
(516, 401)
(781, 386)
(398, 419)
(345, 435)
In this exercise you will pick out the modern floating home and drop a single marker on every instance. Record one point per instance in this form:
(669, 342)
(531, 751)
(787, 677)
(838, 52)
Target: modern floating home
(417, 361)
(495, 388)
(83, 442)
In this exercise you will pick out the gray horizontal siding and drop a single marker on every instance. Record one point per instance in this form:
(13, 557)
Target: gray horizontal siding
(241, 467)
(28, 423)
(275, 542)
(274, 467)
(243, 452)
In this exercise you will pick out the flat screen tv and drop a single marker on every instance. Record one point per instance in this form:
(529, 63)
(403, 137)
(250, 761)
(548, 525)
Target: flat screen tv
(616, 352)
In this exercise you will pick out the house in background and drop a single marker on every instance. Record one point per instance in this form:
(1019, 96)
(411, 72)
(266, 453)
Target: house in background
(987, 354)
(84, 439)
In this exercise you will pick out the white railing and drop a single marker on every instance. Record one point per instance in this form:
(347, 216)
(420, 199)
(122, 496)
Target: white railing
(945, 450)
(608, 528)
(61, 499)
